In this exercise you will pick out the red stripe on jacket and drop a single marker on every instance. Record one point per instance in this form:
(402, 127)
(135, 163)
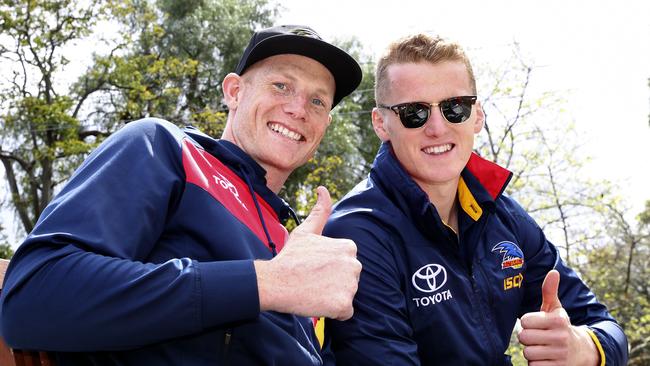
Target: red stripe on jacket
(207, 172)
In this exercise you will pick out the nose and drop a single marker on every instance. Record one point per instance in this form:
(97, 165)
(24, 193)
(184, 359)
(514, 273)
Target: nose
(436, 124)
(295, 105)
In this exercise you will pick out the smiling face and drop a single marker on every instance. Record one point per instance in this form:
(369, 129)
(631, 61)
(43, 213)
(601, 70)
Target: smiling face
(435, 154)
(279, 112)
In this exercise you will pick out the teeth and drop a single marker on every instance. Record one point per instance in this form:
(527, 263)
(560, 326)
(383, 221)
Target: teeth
(285, 132)
(437, 149)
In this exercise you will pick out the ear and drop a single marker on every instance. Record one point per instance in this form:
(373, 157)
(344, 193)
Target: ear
(231, 87)
(480, 118)
(378, 125)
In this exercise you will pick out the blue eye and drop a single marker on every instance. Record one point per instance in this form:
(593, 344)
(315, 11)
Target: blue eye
(318, 102)
(280, 86)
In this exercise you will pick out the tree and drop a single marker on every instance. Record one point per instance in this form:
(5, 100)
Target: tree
(619, 275)
(167, 61)
(172, 57)
(533, 136)
(41, 138)
(5, 248)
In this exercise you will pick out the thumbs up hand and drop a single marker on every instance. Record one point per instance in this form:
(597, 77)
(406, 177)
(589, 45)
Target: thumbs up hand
(313, 275)
(548, 336)
(550, 286)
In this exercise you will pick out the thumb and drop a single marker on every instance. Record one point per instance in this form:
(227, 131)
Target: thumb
(550, 300)
(319, 214)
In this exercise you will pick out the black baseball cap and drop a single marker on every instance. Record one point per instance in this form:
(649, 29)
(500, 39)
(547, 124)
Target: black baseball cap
(304, 41)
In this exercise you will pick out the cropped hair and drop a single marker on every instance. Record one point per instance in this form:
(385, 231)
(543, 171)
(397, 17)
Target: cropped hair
(419, 48)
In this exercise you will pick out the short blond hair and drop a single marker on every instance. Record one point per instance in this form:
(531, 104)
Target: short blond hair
(419, 48)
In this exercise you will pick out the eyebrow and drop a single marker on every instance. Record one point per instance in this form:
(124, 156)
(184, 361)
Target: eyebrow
(285, 71)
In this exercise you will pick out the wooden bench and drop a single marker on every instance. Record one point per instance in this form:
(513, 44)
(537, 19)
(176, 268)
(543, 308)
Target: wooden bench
(14, 357)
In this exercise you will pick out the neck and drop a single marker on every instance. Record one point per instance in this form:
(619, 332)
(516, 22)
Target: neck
(444, 199)
(274, 179)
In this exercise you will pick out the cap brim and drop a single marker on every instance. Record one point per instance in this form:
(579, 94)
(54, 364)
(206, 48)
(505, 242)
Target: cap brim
(346, 71)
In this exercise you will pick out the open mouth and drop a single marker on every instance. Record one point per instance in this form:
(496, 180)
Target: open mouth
(438, 149)
(279, 129)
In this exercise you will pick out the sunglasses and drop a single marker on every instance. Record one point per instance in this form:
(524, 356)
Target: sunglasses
(416, 114)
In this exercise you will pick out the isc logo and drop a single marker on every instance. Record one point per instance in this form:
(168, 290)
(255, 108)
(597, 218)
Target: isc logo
(513, 282)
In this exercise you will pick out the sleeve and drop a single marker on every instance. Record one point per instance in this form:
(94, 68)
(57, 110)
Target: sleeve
(80, 282)
(379, 333)
(577, 299)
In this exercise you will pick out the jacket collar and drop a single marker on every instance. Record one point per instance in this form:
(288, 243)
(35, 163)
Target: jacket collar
(243, 165)
(492, 177)
(481, 183)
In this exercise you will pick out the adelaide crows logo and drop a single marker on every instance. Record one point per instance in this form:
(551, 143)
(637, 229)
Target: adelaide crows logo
(513, 257)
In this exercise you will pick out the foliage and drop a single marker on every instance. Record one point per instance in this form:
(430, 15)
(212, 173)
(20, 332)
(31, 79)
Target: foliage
(5, 248)
(172, 57)
(619, 273)
(41, 136)
(167, 60)
(5, 251)
(535, 138)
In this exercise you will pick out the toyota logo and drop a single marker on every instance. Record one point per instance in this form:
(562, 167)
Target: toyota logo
(429, 278)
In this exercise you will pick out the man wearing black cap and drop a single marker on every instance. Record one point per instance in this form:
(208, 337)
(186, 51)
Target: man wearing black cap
(164, 248)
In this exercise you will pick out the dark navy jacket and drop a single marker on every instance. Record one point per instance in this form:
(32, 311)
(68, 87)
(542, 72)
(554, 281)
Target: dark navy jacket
(146, 258)
(429, 297)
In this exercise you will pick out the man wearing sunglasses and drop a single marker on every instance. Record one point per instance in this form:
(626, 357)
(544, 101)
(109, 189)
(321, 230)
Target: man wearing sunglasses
(449, 261)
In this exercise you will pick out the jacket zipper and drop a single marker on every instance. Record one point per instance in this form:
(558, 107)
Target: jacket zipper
(488, 294)
(226, 346)
(476, 295)
(476, 302)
